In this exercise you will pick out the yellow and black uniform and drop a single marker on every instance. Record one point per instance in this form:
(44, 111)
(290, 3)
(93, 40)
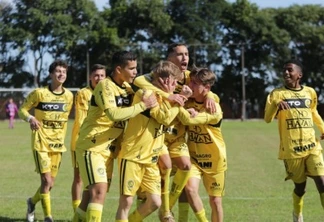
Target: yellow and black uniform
(142, 141)
(81, 106)
(52, 111)
(297, 134)
(206, 146)
(110, 106)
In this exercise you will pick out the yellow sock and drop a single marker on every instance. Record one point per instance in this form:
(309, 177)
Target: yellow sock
(165, 190)
(201, 216)
(183, 211)
(322, 199)
(46, 204)
(298, 203)
(179, 181)
(75, 204)
(94, 212)
(135, 217)
(121, 220)
(36, 197)
(79, 215)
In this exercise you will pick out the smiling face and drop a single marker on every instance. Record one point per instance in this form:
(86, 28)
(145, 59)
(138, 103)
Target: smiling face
(58, 75)
(180, 57)
(96, 76)
(291, 75)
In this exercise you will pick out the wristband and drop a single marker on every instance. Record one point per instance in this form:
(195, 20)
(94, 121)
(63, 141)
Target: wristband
(29, 118)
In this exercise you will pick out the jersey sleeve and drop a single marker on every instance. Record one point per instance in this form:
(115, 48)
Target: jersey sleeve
(30, 102)
(144, 83)
(201, 118)
(164, 113)
(316, 117)
(271, 107)
(105, 99)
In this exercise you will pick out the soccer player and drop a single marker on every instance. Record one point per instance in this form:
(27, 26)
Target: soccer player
(52, 106)
(11, 111)
(206, 146)
(294, 105)
(81, 105)
(110, 106)
(140, 149)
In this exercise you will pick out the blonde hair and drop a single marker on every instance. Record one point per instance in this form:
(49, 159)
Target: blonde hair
(204, 75)
(164, 69)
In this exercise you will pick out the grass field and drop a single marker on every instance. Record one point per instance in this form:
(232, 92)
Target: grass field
(255, 186)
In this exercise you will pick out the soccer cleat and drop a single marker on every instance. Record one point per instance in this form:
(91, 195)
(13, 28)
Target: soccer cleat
(48, 219)
(297, 218)
(30, 215)
(166, 217)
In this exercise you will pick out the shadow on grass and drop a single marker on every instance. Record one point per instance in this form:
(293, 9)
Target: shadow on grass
(7, 219)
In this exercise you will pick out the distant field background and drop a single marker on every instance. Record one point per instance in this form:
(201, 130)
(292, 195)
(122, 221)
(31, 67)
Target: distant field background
(255, 186)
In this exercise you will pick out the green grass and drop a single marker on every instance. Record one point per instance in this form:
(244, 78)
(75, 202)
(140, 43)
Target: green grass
(255, 186)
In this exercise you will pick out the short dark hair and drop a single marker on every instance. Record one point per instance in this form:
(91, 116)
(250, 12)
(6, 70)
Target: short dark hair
(57, 63)
(121, 58)
(296, 62)
(96, 67)
(172, 46)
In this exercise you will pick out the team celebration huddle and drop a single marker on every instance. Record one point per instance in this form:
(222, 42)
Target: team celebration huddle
(163, 132)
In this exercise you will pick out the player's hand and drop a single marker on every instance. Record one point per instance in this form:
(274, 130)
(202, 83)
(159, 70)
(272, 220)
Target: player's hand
(34, 124)
(186, 91)
(193, 112)
(322, 136)
(210, 105)
(177, 98)
(283, 105)
(149, 101)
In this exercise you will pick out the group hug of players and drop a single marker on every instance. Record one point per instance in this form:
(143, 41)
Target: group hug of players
(162, 123)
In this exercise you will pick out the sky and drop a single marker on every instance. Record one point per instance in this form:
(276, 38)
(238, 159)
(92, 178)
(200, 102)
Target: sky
(260, 3)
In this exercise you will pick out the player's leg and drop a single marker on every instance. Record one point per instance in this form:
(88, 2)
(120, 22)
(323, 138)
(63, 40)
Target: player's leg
(192, 190)
(128, 171)
(295, 170)
(93, 173)
(48, 174)
(315, 169)
(180, 157)
(76, 187)
(165, 167)
(215, 187)
(151, 186)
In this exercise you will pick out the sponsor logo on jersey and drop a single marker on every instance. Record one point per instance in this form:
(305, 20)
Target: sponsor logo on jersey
(205, 165)
(299, 123)
(199, 138)
(203, 156)
(298, 102)
(123, 100)
(56, 145)
(56, 107)
(48, 124)
(304, 148)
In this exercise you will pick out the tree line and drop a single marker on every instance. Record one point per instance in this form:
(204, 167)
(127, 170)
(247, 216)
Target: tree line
(231, 38)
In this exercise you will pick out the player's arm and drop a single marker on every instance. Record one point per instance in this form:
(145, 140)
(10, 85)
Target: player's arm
(144, 82)
(105, 99)
(23, 113)
(316, 117)
(81, 105)
(271, 107)
(201, 118)
(210, 102)
(164, 113)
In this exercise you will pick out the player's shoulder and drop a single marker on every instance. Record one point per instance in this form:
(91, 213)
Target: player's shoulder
(68, 92)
